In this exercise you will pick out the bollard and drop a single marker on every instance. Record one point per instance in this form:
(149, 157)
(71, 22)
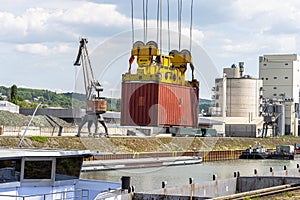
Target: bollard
(125, 182)
(164, 186)
(255, 171)
(234, 174)
(214, 177)
(286, 171)
(238, 174)
(131, 191)
(272, 171)
(192, 184)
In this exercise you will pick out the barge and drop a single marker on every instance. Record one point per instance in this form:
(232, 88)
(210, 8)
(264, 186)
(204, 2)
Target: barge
(256, 152)
(100, 165)
(285, 152)
(49, 174)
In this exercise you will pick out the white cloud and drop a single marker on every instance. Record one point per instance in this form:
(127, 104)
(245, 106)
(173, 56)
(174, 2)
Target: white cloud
(61, 48)
(259, 14)
(36, 19)
(11, 25)
(43, 49)
(38, 49)
(102, 14)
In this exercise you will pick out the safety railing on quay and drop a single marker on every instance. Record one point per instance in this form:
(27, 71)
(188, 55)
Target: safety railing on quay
(81, 194)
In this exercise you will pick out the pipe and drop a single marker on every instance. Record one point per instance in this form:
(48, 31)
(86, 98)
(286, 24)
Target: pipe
(23, 136)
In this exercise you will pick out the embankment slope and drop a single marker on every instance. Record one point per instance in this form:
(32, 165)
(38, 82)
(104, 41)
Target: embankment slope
(146, 144)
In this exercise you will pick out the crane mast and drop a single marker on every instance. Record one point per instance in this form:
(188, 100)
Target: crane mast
(95, 104)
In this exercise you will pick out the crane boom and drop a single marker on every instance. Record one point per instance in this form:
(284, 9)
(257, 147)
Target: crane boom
(89, 83)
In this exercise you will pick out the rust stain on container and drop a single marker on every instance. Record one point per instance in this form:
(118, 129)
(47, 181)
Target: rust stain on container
(159, 104)
(97, 105)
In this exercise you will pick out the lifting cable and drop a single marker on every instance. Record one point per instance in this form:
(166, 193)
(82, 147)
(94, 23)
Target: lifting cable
(191, 26)
(145, 19)
(191, 35)
(157, 21)
(179, 22)
(132, 24)
(168, 2)
(160, 26)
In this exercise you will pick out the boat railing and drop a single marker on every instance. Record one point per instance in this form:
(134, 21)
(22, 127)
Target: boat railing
(79, 194)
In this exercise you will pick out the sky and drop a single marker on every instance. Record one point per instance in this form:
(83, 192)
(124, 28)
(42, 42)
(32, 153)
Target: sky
(39, 39)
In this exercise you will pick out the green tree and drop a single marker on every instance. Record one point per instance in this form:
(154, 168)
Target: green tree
(14, 94)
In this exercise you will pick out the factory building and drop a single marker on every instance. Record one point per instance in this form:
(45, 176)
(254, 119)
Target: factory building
(8, 106)
(281, 76)
(237, 102)
(242, 93)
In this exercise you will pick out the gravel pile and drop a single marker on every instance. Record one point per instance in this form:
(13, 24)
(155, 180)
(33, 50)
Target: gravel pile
(15, 119)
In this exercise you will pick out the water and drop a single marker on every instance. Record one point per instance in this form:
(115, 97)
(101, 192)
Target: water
(148, 179)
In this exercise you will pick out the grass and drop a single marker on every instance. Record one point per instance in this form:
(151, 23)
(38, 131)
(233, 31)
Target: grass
(39, 139)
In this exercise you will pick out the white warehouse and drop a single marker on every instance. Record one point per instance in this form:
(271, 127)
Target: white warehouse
(8, 106)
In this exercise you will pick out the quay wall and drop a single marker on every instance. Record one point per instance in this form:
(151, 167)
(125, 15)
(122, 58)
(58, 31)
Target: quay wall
(231, 188)
(245, 184)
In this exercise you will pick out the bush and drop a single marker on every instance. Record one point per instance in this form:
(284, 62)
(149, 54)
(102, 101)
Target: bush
(39, 139)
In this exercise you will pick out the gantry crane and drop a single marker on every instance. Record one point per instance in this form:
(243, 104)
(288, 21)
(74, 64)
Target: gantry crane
(95, 104)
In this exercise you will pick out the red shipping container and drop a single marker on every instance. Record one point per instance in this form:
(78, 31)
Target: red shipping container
(159, 104)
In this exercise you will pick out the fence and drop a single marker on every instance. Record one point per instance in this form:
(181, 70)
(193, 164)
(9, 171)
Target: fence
(36, 131)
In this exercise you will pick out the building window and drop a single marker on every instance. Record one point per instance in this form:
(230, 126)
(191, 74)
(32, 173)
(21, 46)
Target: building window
(217, 105)
(286, 63)
(275, 77)
(265, 64)
(217, 96)
(286, 77)
(267, 78)
(262, 78)
(274, 88)
(274, 95)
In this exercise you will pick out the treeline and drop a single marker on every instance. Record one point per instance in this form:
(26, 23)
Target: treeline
(204, 105)
(29, 98)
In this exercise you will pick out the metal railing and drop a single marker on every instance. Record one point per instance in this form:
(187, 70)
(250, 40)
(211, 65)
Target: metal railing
(80, 194)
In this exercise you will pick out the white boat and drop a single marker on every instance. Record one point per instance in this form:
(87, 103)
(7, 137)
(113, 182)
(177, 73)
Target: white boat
(42, 174)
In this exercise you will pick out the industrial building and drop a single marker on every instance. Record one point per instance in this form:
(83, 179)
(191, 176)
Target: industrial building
(242, 93)
(281, 76)
(237, 102)
(8, 106)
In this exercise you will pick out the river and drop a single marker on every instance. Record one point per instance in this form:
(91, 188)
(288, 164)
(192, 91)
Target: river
(147, 179)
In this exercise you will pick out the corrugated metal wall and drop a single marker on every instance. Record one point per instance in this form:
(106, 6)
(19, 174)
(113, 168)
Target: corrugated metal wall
(158, 104)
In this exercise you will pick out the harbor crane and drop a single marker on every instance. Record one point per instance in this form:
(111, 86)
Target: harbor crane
(95, 104)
